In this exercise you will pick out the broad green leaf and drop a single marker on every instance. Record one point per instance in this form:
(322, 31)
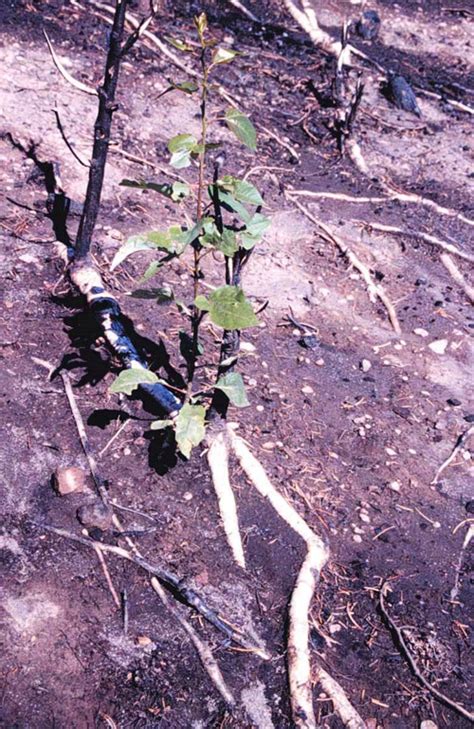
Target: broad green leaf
(223, 55)
(160, 424)
(189, 87)
(172, 240)
(190, 428)
(129, 380)
(242, 190)
(226, 242)
(179, 44)
(233, 386)
(228, 308)
(133, 245)
(151, 271)
(229, 200)
(181, 146)
(161, 295)
(242, 127)
(254, 230)
(175, 191)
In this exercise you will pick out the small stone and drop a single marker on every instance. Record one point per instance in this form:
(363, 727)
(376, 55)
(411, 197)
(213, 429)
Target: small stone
(259, 408)
(187, 496)
(269, 445)
(96, 515)
(334, 628)
(70, 480)
(117, 234)
(363, 516)
(365, 365)
(247, 347)
(453, 402)
(143, 640)
(307, 390)
(421, 332)
(252, 382)
(320, 362)
(394, 486)
(428, 724)
(390, 452)
(356, 538)
(127, 451)
(438, 346)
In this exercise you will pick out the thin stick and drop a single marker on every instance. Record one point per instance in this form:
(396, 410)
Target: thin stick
(348, 715)
(374, 290)
(281, 142)
(66, 140)
(299, 665)
(454, 271)
(244, 10)
(467, 540)
(112, 439)
(335, 196)
(83, 438)
(459, 444)
(412, 663)
(431, 239)
(65, 74)
(108, 579)
(175, 583)
(204, 652)
(125, 611)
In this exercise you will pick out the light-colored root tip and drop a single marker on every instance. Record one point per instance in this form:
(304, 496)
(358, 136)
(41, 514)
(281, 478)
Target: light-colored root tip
(218, 459)
(342, 706)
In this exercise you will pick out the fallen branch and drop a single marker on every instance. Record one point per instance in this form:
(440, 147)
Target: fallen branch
(456, 274)
(414, 666)
(176, 584)
(426, 237)
(348, 715)
(374, 290)
(204, 652)
(459, 444)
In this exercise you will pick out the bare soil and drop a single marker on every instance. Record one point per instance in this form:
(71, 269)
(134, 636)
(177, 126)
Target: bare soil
(352, 431)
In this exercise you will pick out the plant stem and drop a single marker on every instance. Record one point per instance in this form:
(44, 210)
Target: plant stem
(196, 315)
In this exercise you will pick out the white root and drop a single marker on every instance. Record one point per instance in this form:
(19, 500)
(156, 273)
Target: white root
(306, 18)
(444, 245)
(244, 10)
(413, 197)
(355, 153)
(374, 290)
(459, 444)
(65, 74)
(218, 459)
(204, 652)
(452, 269)
(335, 196)
(349, 716)
(299, 665)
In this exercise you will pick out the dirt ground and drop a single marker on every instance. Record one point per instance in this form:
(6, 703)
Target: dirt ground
(351, 431)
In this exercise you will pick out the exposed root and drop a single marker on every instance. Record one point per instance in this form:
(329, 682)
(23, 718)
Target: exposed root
(65, 74)
(466, 542)
(244, 10)
(374, 290)
(335, 196)
(413, 197)
(306, 18)
(218, 459)
(108, 578)
(282, 142)
(456, 274)
(204, 652)
(348, 715)
(355, 154)
(431, 239)
(458, 708)
(459, 444)
(299, 666)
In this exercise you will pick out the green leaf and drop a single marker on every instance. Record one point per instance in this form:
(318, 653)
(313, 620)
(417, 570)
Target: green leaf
(160, 424)
(190, 428)
(133, 245)
(242, 127)
(129, 380)
(181, 147)
(242, 190)
(151, 271)
(223, 55)
(161, 295)
(226, 242)
(188, 87)
(201, 24)
(233, 386)
(175, 191)
(228, 308)
(177, 43)
(254, 230)
(226, 199)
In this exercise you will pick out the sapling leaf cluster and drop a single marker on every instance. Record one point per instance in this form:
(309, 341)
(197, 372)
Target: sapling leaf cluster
(226, 218)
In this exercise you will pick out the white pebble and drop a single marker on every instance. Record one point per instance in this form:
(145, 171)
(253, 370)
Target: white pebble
(357, 538)
(307, 390)
(247, 347)
(394, 486)
(187, 496)
(421, 332)
(365, 365)
(439, 346)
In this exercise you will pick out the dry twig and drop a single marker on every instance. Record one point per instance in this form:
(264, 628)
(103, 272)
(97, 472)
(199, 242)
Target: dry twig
(456, 274)
(458, 708)
(426, 237)
(65, 74)
(374, 290)
(459, 444)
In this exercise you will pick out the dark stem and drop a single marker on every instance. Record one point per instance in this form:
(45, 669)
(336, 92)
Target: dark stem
(102, 129)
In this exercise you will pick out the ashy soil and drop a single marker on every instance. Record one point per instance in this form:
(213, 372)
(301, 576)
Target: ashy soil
(352, 430)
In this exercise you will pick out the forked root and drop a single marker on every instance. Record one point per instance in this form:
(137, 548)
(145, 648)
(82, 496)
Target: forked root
(349, 716)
